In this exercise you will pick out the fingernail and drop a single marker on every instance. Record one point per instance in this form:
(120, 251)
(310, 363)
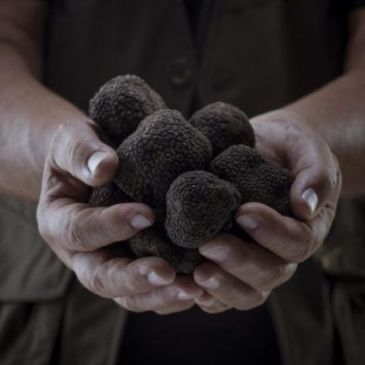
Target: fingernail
(156, 279)
(95, 160)
(248, 222)
(219, 253)
(311, 198)
(212, 283)
(182, 295)
(140, 222)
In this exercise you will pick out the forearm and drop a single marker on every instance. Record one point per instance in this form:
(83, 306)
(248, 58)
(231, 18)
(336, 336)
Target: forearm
(337, 111)
(29, 116)
(29, 113)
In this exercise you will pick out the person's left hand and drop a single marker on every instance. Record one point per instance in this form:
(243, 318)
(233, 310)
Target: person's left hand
(242, 274)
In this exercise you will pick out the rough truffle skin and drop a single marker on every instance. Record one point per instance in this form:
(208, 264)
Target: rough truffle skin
(121, 104)
(163, 147)
(107, 195)
(224, 125)
(256, 179)
(166, 162)
(154, 242)
(198, 206)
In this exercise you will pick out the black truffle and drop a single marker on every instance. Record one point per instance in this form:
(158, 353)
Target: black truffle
(107, 195)
(121, 104)
(198, 205)
(163, 162)
(163, 147)
(256, 179)
(224, 125)
(154, 242)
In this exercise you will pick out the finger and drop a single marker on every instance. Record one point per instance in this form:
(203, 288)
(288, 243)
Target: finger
(316, 170)
(179, 308)
(113, 277)
(313, 189)
(227, 288)
(182, 290)
(307, 155)
(293, 240)
(248, 262)
(86, 229)
(210, 304)
(77, 149)
(217, 308)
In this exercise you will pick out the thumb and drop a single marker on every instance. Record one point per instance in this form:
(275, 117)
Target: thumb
(318, 178)
(76, 149)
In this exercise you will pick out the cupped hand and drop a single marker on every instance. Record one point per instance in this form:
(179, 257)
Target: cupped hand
(90, 240)
(242, 274)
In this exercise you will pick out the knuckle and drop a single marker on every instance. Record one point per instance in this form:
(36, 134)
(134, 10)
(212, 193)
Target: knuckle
(61, 136)
(129, 304)
(261, 298)
(75, 156)
(300, 250)
(285, 272)
(131, 284)
(44, 229)
(76, 236)
(134, 280)
(72, 145)
(53, 186)
(253, 300)
(76, 148)
(328, 177)
(163, 312)
(115, 227)
(300, 254)
(216, 309)
(96, 284)
(274, 277)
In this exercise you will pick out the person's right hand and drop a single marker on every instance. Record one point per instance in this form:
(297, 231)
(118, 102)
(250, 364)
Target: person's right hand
(82, 237)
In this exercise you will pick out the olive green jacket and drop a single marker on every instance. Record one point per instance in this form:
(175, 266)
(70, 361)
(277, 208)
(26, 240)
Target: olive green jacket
(257, 54)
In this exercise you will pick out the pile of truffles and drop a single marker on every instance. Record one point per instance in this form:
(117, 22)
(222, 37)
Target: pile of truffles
(194, 174)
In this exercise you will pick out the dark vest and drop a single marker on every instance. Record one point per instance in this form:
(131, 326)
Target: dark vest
(256, 54)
